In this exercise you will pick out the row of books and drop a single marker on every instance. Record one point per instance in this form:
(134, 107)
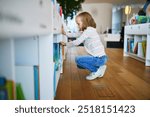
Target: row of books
(57, 54)
(26, 85)
(6, 89)
(137, 47)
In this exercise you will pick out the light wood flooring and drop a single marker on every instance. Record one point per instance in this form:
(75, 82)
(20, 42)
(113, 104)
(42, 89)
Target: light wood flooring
(125, 79)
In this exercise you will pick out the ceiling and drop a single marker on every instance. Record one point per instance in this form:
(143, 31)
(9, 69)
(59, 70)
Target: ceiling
(117, 2)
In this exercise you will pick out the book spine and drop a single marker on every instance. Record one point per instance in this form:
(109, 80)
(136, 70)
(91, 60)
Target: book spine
(144, 47)
(3, 94)
(140, 49)
(36, 82)
(54, 81)
(2, 81)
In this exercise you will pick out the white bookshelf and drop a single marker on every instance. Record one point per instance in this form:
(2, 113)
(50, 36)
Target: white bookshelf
(57, 38)
(46, 67)
(57, 20)
(28, 42)
(137, 34)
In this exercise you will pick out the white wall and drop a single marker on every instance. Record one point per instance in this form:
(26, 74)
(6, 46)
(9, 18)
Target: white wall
(102, 14)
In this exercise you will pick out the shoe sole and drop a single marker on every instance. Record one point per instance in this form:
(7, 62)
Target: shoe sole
(104, 69)
(91, 78)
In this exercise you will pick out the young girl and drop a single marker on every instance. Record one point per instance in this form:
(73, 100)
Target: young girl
(96, 60)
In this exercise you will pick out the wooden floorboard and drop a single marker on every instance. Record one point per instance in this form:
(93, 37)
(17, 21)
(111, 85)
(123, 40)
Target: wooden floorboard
(125, 79)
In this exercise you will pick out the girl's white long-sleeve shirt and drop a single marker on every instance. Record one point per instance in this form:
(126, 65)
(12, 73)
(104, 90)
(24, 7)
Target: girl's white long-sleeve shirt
(91, 41)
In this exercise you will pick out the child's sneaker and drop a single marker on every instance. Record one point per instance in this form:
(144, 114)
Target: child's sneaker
(91, 76)
(102, 69)
(99, 73)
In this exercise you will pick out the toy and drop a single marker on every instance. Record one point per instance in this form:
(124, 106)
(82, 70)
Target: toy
(143, 15)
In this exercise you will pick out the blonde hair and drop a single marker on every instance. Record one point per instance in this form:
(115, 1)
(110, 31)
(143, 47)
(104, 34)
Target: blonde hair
(87, 20)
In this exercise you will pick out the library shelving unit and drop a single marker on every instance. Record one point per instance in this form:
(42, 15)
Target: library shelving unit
(137, 42)
(27, 55)
(59, 51)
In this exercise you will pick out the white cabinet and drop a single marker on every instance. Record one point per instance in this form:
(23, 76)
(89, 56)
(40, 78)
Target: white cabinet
(137, 42)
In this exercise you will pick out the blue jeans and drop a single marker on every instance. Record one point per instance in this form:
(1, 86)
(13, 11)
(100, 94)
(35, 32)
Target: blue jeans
(90, 62)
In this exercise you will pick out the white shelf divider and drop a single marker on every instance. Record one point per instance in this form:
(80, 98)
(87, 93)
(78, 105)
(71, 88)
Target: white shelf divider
(7, 61)
(46, 67)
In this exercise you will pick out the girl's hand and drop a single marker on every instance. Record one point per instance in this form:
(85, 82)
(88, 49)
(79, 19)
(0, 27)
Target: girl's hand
(62, 30)
(63, 43)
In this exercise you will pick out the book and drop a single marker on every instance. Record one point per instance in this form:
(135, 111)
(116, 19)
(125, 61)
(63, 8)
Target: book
(19, 92)
(128, 45)
(9, 87)
(136, 40)
(36, 82)
(54, 80)
(2, 80)
(3, 94)
(56, 52)
(144, 47)
(61, 11)
(135, 48)
(140, 50)
(131, 45)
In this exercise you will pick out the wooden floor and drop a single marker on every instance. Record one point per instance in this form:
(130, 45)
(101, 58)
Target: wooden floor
(125, 79)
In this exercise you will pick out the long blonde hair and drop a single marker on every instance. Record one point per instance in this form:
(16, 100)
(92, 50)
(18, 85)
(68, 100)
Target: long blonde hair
(87, 20)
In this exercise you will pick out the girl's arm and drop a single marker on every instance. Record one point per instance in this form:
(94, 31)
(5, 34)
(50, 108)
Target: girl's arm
(80, 39)
(77, 34)
(62, 30)
(76, 42)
